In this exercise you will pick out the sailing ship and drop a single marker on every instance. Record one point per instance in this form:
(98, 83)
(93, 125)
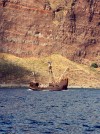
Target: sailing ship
(52, 86)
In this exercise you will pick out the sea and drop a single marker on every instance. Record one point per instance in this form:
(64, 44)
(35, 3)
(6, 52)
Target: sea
(74, 111)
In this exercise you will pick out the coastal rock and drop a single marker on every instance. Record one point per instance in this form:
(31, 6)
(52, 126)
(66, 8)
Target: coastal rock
(39, 28)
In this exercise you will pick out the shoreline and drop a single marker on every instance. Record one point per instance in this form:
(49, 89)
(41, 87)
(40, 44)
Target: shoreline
(5, 86)
(83, 87)
(14, 86)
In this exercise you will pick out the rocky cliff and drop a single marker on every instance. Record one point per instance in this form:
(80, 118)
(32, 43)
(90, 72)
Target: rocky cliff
(41, 27)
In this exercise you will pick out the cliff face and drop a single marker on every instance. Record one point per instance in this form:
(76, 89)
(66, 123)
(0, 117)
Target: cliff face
(42, 27)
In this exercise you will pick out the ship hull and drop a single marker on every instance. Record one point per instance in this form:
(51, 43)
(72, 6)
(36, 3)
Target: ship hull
(62, 85)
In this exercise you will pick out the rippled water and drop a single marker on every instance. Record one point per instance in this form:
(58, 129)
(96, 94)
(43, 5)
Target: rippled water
(58, 112)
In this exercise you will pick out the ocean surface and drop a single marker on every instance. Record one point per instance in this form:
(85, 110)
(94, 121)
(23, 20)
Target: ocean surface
(75, 111)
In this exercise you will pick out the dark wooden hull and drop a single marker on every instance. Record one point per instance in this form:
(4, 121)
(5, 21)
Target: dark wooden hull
(62, 85)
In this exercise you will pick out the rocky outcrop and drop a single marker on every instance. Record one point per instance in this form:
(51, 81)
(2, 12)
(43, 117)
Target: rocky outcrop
(39, 28)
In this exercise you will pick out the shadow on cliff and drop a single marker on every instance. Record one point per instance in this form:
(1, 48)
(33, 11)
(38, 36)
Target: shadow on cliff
(10, 72)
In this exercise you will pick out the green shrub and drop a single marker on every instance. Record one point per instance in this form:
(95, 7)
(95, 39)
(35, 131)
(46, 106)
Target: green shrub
(94, 65)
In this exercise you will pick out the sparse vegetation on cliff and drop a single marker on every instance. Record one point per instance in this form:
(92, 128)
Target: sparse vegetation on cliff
(19, 70)
(94, 65)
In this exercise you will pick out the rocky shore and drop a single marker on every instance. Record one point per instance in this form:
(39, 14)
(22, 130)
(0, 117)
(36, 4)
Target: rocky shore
(11, 86)
(14, 86)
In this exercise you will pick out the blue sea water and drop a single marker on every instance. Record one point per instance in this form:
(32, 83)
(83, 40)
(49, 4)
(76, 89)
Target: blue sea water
(75, 111)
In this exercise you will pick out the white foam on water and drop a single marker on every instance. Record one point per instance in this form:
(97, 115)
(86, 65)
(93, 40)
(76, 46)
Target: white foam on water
(29, 89)
(45, 90)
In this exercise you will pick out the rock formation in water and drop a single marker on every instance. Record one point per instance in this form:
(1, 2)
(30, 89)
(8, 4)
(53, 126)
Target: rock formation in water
(41, 27)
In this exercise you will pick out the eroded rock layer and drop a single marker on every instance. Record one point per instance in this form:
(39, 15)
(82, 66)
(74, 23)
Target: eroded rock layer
(41, 27)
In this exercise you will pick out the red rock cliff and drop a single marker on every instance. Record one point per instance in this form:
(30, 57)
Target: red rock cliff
(42, 27)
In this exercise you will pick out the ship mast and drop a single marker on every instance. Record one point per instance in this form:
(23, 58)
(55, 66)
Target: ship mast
(34, 76)
(51, 77)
